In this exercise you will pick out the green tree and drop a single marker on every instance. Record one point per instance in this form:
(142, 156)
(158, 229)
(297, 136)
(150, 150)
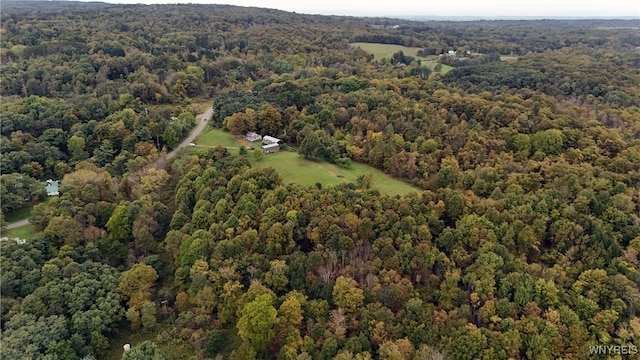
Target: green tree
(269, 120)
(148, 315)
(119, 224)
(30, 336)
(15, 188)
(277, 276)
(550, 142)
(522, 144)
(311, 145)
(256, 323)
(215, 341)
(104, 153)
(64, 230)
(76, 146)
(347, 295)
(258, 155)
(170, 138)
(137, 284)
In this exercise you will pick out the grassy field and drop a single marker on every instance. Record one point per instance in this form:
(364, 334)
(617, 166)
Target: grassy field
(508, 58)
(23, 232)
(215, 137)
(295, 169)
(380, 51)
(432, 64)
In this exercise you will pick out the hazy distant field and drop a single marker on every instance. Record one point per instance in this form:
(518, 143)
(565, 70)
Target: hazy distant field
(508, 58)
(380, 51)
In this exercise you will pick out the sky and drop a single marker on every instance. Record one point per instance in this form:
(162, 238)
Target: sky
(481, 8)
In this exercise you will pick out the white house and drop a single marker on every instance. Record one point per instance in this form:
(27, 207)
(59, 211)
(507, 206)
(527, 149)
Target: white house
(52, 187)
(253, 136)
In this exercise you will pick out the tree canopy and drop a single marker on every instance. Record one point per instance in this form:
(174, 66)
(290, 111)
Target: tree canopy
(521, 239)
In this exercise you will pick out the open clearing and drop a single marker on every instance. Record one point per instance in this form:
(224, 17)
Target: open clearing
(26, 232)
(215, 137)
(508, 58)
(380, 51)
(295, 169)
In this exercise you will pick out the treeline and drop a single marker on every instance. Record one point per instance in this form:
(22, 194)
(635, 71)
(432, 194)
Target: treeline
(340, 272)
(552, 74)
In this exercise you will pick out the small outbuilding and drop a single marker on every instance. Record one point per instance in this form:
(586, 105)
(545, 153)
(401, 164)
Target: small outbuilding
(270, 148)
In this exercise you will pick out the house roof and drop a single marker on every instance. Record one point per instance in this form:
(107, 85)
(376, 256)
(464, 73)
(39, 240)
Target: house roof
(270, 146)
(52, 187)
(271, 139)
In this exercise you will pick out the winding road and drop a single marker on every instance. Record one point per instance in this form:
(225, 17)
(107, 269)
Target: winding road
(202, 118)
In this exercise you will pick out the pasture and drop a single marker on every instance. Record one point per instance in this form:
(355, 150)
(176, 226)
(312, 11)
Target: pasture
(380, 51)
(295, 169)
(215, 137)
(386, 51)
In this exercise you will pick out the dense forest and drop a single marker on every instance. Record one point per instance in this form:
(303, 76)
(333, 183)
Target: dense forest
(520, 242)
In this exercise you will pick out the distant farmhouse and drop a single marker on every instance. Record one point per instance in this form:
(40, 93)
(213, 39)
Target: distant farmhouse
(52, 187)
(253, 136)
(270, 144)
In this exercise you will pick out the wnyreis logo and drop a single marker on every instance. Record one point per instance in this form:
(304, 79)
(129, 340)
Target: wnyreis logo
(613, 350)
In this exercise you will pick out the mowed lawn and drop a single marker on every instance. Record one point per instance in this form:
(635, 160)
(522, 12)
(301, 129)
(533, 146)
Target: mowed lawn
(26, 232)
(295, 169)
(215, 137)
(380, 51)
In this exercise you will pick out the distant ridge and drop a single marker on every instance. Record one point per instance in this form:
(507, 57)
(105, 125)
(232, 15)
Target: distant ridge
(477, 18)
